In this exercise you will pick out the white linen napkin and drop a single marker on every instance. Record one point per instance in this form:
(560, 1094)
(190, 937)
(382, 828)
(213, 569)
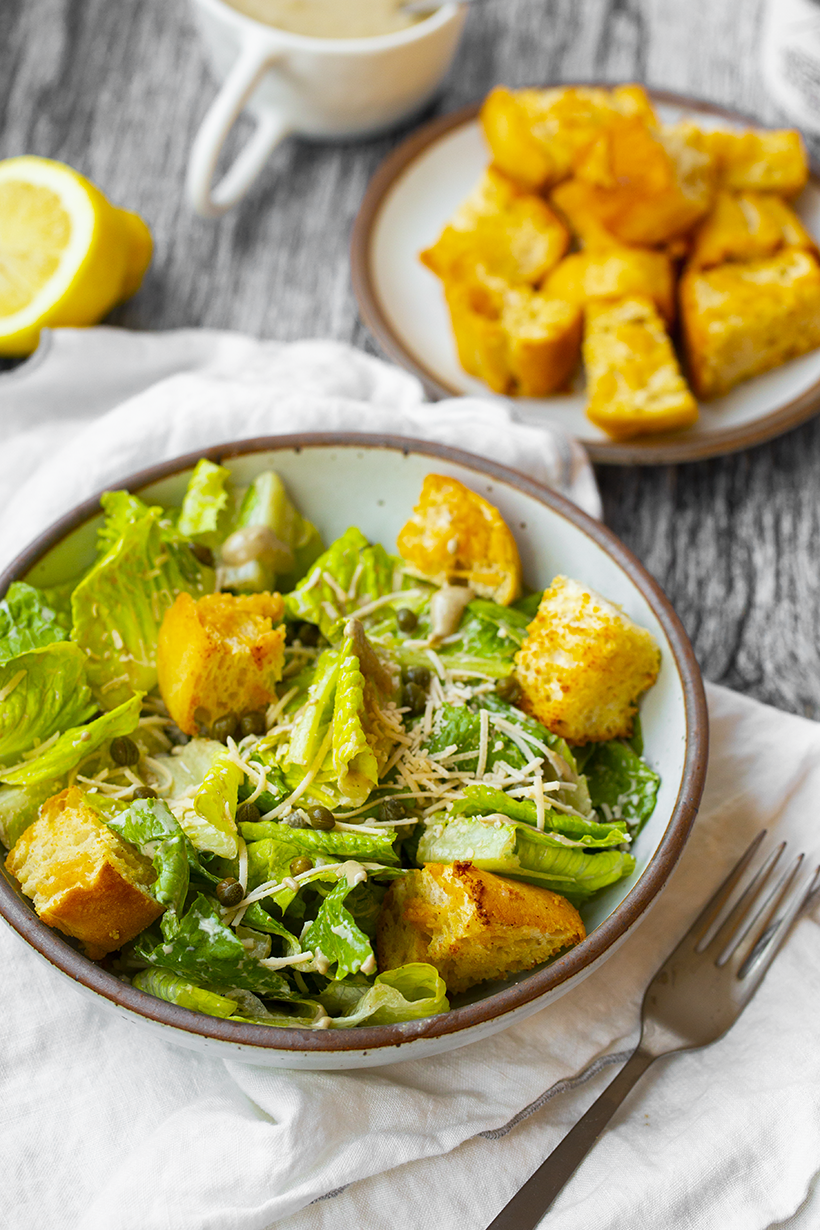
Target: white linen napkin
(107, 1129)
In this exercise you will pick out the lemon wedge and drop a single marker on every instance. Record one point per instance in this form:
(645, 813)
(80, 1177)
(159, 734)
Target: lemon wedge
(67, 255)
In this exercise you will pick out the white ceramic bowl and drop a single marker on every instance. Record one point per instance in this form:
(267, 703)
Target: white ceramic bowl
(373, 482)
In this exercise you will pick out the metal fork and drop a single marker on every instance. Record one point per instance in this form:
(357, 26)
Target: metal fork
(696, 995)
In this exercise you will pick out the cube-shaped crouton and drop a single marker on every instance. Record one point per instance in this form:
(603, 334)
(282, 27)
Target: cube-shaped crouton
(575, 202)
(84, 879)
(513, 235)
(536, 136)
(747, 226)
(219, 655)
(649, 185)
(584, 664)
(472, 925)
(760, 160)
(515, 340)
(635, 386)
(615, 273)
(743, 319)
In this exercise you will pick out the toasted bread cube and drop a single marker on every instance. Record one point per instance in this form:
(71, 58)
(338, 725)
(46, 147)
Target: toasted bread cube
(740, 320)
(218, 655)
(648, 185)
(479, 335)
(616, 273)
(536, 136)
(83, 879)
(760, 160)
(584, 664)
(634, 382)
(512, 235)
(472, 925)
(543, 341)
(747, 226)
(575, 201)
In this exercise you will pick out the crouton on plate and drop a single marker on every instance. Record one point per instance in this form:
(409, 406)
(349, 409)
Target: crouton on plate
(614, 274)
(760, 160)
(83, 879)
(219, 655)
(472, 925)
(634, 382)
(740, 320)
(747, 226)
(584, 664)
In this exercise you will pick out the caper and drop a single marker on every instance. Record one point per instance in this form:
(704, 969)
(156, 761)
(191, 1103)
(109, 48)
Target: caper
(144, 792)
(124, 750)
(406, 619)
(300, 865)
(297, 820)
(248, 813)
(309, 635)
(413, 698)
(224, 727)
(392, 810)
(253, 723)
(419, 675)
(204, 554)
(509, 689)
(229, 891)
(321, 818)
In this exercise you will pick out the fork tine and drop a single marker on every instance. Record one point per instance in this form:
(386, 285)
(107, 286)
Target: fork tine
(761, 908)
(734, 926)
(716, 903)
(767, 946)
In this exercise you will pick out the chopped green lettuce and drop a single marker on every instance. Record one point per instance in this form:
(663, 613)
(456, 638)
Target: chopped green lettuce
(335, 843)
(478, 800)
(19, 806)
(165, 984)
(324, 595)
(266, 503)
(150, 826)
(621, 784)
(211, 824)
(43, 691)
(75, 745)
(205, 505)
(27, 621)
(119, 604)
(334, 938)
(407, 993)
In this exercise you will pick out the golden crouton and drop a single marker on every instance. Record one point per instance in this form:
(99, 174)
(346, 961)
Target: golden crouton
(472, 925)
(83, 879)
(583, 277)
(219, 655)
(513, 235)
(455, 535)
(765, 160)
(634, 382)
(584, 664)
(514, 339)
(743, 319)
(575, 201)
(536, 136)
(648, 185)
(747, 226)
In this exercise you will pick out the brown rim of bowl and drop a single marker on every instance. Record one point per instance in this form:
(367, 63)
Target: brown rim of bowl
(50, 944)
(651, 450)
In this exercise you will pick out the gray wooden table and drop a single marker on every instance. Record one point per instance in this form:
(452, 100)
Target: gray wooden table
(117, 89)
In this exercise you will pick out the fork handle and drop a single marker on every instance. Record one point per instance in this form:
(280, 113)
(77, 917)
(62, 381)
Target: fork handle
(529, 1205)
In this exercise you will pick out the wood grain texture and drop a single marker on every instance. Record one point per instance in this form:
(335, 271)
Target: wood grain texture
(118, 89)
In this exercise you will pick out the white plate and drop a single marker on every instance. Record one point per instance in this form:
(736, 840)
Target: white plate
(412, 197)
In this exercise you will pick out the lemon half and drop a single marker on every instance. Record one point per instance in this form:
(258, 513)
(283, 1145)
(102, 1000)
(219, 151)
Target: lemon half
(67, 255)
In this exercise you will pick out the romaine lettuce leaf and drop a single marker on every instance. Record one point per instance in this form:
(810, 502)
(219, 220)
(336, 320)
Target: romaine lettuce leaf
(174, 989)
(27, 621)
(479, 800)
(336, 844)
(211, 824)
(406, 993)
(19, 806)
(118, 606)
(205, 503)
(150, 826)
(211, 952)
(75, 744)
(334, 938)
(315, 600)
(189, 764)
(621, 783)
(266, 503)
(42, 691)
(529, 605)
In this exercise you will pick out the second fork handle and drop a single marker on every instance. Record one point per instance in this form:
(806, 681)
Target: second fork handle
(529, 1205)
